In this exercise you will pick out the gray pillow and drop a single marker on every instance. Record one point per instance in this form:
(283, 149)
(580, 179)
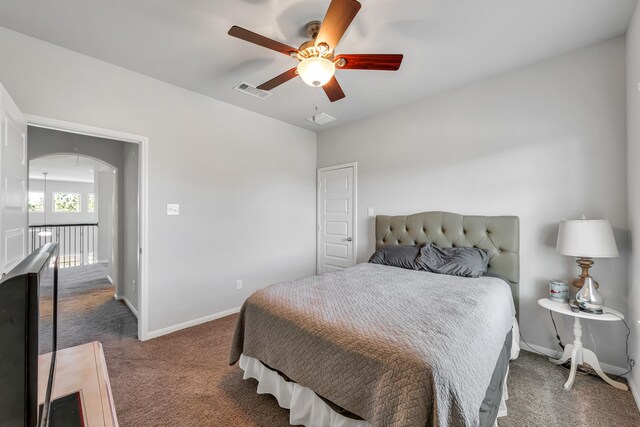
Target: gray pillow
(460, 261)
(397, 256)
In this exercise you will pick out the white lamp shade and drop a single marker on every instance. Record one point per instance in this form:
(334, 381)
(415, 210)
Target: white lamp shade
(588, 238)
(316, 71)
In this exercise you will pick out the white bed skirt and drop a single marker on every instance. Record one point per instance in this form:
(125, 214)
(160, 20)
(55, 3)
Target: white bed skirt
(306, 408)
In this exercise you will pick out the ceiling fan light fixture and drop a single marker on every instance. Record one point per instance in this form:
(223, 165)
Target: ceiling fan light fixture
(316, 71)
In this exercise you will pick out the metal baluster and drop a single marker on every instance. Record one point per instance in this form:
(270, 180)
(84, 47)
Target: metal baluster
(89, 233)
(95, 230)
(90, 246)
(82, 245)
(95, 233)
(66, 246)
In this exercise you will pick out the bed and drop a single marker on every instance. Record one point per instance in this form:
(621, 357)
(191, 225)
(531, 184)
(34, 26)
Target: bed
(374, 345)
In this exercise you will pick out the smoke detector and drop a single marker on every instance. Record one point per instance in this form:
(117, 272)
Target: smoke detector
(321, 118)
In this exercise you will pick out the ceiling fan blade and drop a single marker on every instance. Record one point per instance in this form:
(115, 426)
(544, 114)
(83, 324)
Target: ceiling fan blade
(336, 21)
(333, 90)
(278, 80)
(386, 62)
(263, 41)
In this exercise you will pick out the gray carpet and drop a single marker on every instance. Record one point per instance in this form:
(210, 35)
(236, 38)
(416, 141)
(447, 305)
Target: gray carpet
(537, 397)
(88, 311)
(183, 379)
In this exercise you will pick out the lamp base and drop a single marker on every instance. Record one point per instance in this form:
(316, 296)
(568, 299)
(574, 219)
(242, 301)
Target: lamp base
(585, 264)
(588, 308)
(588, 298)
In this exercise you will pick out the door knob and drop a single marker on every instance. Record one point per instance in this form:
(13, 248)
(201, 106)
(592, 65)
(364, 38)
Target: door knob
(349, 239)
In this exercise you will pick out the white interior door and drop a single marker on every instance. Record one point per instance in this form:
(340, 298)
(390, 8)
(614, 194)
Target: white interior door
(336, 217)
(13, 183)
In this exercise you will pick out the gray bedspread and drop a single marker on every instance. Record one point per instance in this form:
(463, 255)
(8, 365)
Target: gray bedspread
(396, 347)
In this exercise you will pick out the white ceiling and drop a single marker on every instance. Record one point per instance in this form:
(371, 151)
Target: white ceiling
(63, 167)
(446, 43)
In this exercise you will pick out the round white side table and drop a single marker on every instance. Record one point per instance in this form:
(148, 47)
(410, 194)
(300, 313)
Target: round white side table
(576, 352)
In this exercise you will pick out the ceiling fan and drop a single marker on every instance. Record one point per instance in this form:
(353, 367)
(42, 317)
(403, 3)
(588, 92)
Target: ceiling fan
(317, 57)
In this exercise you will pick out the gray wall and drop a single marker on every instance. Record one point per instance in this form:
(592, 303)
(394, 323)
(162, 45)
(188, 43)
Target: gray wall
(43, 142)
(633, 160)
(545, 143)
(244, 182)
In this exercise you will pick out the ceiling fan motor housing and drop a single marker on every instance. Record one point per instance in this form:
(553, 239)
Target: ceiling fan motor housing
(312, 29)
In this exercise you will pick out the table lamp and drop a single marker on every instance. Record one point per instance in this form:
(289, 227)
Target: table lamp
(586, 239)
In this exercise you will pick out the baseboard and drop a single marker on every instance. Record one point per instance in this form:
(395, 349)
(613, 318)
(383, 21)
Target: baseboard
(126, 301)
(109, 279)
(609, 369)
(190, 323)
(133, 310)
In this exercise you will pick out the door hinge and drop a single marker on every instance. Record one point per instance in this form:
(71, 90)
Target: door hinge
(140, 251)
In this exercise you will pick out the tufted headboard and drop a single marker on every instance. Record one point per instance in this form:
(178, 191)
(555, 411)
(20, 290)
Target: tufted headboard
(500, 235)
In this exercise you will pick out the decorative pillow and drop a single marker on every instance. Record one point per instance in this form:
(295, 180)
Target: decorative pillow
(460, 261)
(397, 256)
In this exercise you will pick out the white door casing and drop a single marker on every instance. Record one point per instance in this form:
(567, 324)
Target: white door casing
(13, 183)
(143, 191)
(336, 217)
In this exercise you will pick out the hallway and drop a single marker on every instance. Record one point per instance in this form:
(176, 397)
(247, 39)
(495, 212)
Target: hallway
(87, 310)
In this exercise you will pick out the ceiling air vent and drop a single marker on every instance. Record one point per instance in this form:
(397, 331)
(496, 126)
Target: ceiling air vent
(321, 118)
(250, 89)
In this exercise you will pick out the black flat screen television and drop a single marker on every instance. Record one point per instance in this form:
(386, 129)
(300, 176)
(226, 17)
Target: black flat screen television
(28, 327)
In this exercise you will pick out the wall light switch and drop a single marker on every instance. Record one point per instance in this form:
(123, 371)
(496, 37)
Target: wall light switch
(370, 212)
(173, 209)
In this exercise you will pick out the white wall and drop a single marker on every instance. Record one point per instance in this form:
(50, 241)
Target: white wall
(108, 224)
(545, 143)
(245, 183)
(53, 186)
(633, 161)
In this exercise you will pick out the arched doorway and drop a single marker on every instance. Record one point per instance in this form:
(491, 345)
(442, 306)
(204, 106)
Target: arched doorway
(72, 202)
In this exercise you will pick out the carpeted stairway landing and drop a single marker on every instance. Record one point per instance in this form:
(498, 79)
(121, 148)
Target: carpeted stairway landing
(183, 379)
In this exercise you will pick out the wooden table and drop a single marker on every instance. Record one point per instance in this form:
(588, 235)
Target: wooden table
(81, 368)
